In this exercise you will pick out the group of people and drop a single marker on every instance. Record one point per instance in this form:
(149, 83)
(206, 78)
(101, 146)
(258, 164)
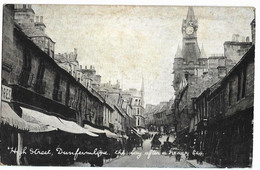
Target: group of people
(199, 156)
(132, 142)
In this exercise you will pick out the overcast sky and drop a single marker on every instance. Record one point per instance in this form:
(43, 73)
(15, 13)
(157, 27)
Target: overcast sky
(124, 42)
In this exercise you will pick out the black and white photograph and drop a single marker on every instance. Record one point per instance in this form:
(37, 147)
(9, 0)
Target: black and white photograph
(151, 86)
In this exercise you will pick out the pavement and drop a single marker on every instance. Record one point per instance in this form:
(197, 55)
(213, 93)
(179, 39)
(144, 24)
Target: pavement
(193, 163)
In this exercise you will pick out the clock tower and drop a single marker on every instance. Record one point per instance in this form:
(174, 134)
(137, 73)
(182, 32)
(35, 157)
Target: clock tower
(190, 48)
(188, 58)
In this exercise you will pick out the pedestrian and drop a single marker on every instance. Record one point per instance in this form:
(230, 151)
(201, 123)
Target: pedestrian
(186, 155)
(197, 156)
(201, 154)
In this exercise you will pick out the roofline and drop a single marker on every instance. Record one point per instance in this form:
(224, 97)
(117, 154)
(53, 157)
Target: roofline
(50, 60)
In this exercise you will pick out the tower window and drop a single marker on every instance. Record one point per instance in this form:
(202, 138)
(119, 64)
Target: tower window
(186, 76)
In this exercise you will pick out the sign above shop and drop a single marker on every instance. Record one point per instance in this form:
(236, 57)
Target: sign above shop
(6, 93)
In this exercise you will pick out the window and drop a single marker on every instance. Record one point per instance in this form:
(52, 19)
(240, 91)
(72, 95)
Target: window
(239, 86)
(230, 93)
(25, 78)
(67, 94)
(56, 91)
(40, 84)
(244, 82)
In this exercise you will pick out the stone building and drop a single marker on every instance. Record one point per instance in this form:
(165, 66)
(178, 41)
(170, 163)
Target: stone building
(87, 77)
(122, 102)
(193, 71)
(222, 125)
(69, 62)
(236, 48)
(132, 101)
(34, 27)
(40, 96)
(160, 117)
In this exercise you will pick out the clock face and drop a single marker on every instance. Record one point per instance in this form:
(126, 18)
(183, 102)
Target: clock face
(189, 30)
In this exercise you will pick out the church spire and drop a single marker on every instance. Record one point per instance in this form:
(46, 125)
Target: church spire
(190, 15)
(178, 53)
(142, 89)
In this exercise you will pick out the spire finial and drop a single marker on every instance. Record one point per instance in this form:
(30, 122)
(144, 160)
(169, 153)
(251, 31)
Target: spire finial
(178, 53)
(190, 15)
(202, 52)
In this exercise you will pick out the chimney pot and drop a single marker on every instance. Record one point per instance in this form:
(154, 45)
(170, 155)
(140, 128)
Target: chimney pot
(41, 19)
(247, 39)
(86, 67)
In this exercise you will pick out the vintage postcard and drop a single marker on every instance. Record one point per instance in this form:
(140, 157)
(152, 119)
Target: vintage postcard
(127, 86)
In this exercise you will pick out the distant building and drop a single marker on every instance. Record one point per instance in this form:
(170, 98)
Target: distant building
(236, 48)
(132, 99)
(87, 77)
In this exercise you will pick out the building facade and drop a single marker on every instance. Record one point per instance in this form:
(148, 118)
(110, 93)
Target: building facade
(194, 72)
(34, 84)
(222, 126)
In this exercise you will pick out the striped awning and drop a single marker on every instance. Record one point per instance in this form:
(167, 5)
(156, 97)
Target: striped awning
(55, 122)
(110, 134)
(94, 130)
(8, 116)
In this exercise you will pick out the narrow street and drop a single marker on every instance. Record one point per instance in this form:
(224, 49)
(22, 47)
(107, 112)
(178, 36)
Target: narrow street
(148, 158)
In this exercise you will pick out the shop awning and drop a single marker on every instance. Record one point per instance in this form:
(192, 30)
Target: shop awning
(53, 121)
(94, 130)
(8, 116)
(124, 136)
(143, 131)
(135, 132)
(110, 134)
